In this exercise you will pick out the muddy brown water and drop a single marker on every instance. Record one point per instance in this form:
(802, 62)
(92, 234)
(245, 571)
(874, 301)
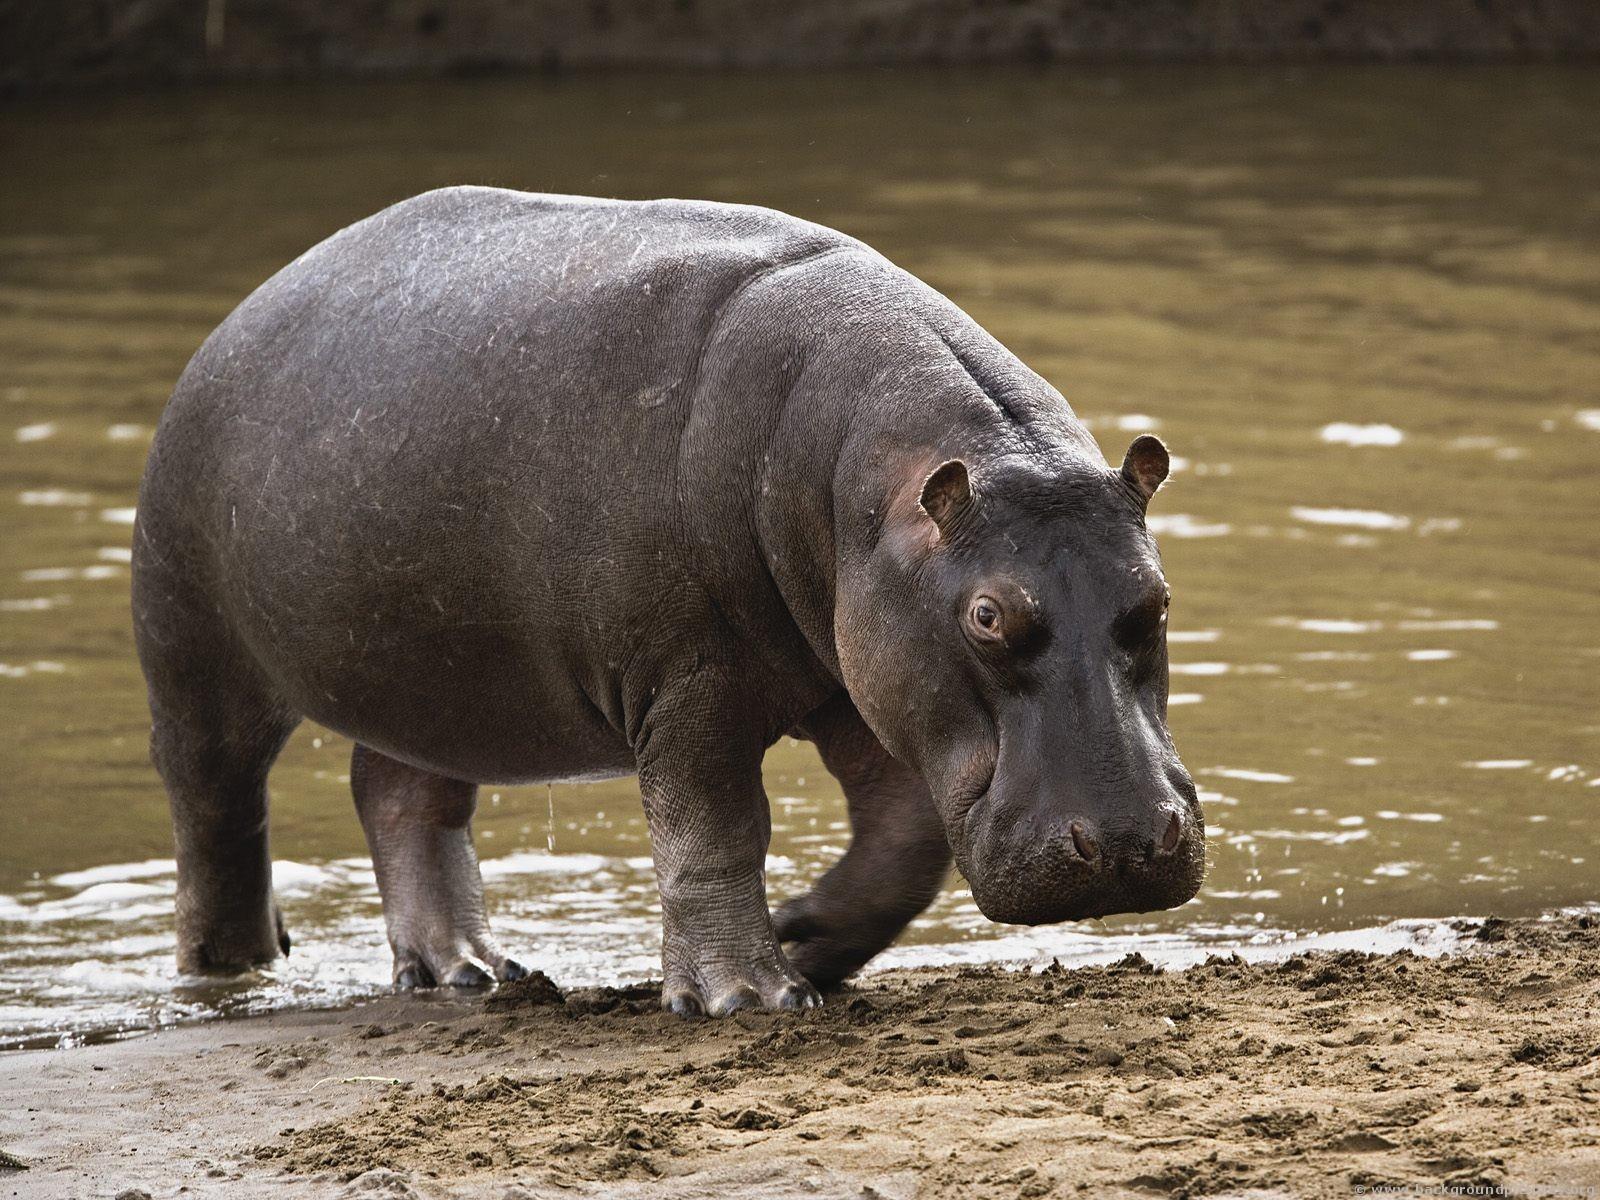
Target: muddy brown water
(1361, 305)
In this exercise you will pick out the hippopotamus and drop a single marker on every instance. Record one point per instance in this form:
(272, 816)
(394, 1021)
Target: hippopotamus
(510, 487)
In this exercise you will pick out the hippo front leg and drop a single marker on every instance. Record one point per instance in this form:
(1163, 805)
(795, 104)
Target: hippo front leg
(897, 860)
(709, 826)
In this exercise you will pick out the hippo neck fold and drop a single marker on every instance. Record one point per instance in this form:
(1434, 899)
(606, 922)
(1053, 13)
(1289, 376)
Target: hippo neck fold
(875, 378)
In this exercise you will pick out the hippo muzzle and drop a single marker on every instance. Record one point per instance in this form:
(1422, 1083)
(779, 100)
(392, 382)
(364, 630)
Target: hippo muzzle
(1037, 867)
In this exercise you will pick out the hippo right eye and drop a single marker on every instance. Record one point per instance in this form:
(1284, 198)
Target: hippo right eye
(1141, 626)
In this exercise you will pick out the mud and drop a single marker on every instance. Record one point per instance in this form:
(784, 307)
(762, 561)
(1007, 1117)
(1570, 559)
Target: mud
(1309, 1076)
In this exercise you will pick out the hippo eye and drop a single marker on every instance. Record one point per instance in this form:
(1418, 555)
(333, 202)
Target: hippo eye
(1141, 626)
(986, 617)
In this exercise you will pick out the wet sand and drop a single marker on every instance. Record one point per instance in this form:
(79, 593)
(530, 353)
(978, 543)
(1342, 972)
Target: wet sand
(1310, 1076)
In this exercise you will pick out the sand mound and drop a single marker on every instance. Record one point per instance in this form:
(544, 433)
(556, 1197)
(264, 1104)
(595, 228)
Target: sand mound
(1312, 1075)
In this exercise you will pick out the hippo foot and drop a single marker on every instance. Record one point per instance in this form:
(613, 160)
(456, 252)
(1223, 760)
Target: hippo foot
(457, 968)
(231, 947)
(718, 989)
(857, 910)
(826, 952)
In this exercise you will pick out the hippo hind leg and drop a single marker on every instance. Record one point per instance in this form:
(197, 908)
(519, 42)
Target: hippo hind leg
(896, 863)
(419, 829)
(215, 731)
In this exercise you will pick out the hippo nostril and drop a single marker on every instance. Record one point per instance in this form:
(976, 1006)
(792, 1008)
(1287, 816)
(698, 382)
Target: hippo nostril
(1081, 842)
(1169, 840)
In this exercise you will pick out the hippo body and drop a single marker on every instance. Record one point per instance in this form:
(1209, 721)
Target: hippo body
(513, 488)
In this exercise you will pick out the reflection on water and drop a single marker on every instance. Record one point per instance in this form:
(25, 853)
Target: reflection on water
(1361, 306)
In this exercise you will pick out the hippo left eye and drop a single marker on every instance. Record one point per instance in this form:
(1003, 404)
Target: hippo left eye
(986, 619)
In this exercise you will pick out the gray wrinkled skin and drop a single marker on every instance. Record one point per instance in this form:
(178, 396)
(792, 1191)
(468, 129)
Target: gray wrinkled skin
(514, 488)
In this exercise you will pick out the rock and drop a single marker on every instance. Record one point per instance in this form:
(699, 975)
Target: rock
(380, 1181)
(282, 1068)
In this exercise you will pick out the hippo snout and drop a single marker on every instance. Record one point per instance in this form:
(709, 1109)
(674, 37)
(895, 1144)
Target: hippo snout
(1087, 866)
(1159, 838)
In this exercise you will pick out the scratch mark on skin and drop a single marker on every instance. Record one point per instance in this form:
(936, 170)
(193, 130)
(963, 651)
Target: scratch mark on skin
(143, 534)
(261, 499)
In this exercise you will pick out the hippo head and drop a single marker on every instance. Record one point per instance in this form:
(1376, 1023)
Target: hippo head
(1005, 635)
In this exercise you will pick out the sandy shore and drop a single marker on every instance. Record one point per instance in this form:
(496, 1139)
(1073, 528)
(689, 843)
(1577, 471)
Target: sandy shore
(1309, 1077)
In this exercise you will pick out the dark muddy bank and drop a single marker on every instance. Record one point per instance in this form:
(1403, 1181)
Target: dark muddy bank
(43, 44)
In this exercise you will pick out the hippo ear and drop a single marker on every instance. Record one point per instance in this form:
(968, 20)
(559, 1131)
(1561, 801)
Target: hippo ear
(1146, 465)
(947, 493)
